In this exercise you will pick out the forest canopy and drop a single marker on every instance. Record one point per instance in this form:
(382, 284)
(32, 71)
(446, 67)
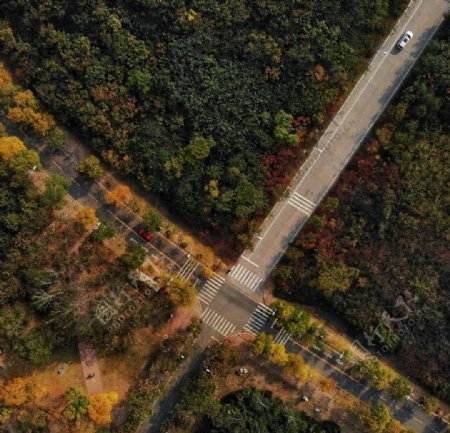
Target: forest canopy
(210, 103)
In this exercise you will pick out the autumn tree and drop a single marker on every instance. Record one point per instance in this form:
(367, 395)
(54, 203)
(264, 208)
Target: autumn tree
(27, 112)
(100, 407)
(375, 372)
(119, 196)
(19, 391)
(86, 217)
(10, 147)
(278, 355)
(91, 168)
(294, 320)
(262, 344)
(296, 366)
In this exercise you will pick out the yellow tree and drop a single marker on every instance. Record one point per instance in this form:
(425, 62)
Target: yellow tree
(278, 355)
(181, 292)
(28, 112)
(19, 391)
(10, 147)
(86, 217)
(6, 83)
(261, 344)
(100, 407)
(295, 366)
(119, 196)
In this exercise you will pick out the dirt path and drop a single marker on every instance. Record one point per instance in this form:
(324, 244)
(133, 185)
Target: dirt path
(91, 370)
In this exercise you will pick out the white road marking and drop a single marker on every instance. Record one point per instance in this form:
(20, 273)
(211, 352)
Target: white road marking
(302, 203)
(217, 322)
(188, 267)
(210, 289)
(282, 337)
(258, 319)
(248, 260)
(245, 277)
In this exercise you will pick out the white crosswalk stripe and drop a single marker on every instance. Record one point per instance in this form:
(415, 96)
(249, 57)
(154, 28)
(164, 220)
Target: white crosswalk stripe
(246, 277)
(282, 337)
(302, 203)
(188, 267)
(217, 322)
(258, 319)
(210, 288)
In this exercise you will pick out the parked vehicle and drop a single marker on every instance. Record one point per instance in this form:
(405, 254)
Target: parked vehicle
(404, 40)
(145, 234)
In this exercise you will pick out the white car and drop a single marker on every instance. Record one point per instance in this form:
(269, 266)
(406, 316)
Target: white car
(404, 40)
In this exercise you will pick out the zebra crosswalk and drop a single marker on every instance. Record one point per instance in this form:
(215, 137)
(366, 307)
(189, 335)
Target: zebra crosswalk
(188, 267)
(302, 203)
(246, 277)
(217, 322)
(282, 337)
(258, 319)
(210, 288)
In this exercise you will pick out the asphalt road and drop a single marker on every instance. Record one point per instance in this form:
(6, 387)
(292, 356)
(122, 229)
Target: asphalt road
(340, 141)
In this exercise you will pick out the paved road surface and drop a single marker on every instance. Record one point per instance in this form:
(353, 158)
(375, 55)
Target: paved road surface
(339, 142)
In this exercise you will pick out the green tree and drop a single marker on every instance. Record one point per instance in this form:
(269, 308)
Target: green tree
(262, 344)
(335, 278)
(91, 168)
(56, 188)
(400, 387)
(76, 405)
(104, 231)
(152, 220)
(35, 346)
(198, 148)
(430, 404)
(377, 417)
(284, 131)
(372, 369)
(56, 139)
(134, 256)
(24, 161)
(13, 322)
